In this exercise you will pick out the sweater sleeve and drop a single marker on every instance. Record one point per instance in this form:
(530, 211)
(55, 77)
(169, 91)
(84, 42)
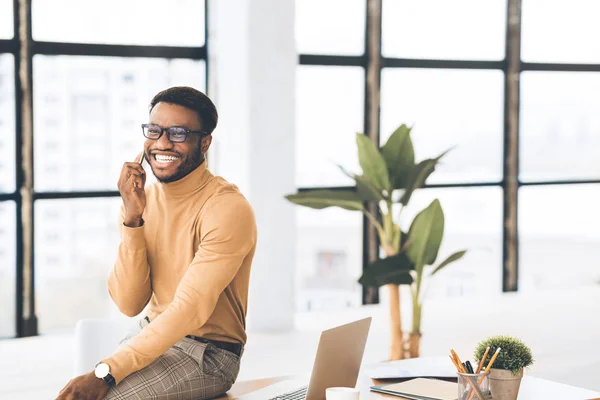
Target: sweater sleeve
(129, 283)
(228, 231)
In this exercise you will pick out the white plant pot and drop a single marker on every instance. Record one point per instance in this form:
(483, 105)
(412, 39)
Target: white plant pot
(504, 385)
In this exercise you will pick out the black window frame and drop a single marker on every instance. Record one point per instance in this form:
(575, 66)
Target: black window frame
(25, 287)
(373, 62)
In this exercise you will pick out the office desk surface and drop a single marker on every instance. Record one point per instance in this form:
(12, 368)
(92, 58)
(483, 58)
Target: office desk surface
(531, 389)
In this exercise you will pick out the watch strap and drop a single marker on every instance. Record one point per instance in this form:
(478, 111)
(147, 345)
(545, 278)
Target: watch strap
(109, 379)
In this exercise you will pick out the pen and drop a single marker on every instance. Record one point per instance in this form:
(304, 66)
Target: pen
(469, 367)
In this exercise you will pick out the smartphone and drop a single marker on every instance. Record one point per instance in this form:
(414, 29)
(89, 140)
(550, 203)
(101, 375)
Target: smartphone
(142, 159)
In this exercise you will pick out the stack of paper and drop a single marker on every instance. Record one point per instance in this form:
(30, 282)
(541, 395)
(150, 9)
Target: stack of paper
(424, 367)
(421, 389)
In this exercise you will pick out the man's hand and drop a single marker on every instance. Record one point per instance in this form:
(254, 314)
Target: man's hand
(131, 186)
(84, 387)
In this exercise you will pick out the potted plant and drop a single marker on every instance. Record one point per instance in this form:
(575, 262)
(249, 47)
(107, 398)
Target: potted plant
(507, 371)
(389, 178)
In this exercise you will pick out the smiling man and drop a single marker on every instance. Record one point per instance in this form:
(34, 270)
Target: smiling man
(187, 244)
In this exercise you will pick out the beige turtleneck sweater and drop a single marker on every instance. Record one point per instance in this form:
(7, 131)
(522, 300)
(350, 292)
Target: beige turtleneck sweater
(189, 262)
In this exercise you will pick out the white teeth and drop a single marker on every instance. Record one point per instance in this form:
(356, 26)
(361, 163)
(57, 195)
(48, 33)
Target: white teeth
(165, 159)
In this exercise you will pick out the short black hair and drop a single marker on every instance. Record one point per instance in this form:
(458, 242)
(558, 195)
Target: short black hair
(193, 99)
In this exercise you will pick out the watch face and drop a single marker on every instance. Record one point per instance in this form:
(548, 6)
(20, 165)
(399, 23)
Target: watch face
(101, 370)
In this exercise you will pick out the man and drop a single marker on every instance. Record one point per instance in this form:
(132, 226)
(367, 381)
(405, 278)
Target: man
(187, 244)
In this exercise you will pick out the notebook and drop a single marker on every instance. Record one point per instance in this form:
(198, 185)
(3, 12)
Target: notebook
(420, 389)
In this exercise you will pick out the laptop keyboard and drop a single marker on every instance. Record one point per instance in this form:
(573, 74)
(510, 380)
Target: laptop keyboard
(299, 394)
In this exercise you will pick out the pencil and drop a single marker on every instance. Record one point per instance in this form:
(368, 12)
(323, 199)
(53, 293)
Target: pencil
(454, 362)
(489, 366)
(483, 359)
(458, 361)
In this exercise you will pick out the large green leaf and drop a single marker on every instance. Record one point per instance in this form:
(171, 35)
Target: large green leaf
(372, 163)
(366, 191)
(453, 257)
(364, 187)
(419, 176)
(319, 199)
(425, 235)
(399, 156)
(395, 269)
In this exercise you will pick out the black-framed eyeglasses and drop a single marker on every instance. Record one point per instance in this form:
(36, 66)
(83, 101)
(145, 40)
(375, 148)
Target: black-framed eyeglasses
(174, 133)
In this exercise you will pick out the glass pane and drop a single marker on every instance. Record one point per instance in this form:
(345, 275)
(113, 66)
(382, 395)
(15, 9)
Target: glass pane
(448, 108)
(559, 237)
(8, 262)
(560, 125)
(88, 112)
(329, 259)
(138, 22)
(440, 29)
(75, 246)
(558, 31)
(6, 19)
(329, 113)
(7, 123)
(472, 222)
(330, 26)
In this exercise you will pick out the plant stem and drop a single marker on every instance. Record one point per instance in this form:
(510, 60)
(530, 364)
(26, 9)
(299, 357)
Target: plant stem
(397, 350)
(417, 307)
(374, 221)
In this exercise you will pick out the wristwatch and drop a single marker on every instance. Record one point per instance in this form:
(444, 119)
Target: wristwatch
(102, 371)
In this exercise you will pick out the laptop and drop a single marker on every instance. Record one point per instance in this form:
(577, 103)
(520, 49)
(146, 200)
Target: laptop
(337, 363)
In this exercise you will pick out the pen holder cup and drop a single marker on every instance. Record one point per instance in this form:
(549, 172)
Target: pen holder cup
(478, 383)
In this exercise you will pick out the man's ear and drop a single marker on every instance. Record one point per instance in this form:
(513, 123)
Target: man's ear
(205, 143)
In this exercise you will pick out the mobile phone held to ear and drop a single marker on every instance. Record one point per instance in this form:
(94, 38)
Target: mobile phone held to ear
(142, 159)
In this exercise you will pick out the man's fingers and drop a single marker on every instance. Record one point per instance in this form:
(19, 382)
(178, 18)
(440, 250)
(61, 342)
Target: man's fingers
(130, 167)
(135, 172)
(133, 165)
(139, 157)
(135, 182)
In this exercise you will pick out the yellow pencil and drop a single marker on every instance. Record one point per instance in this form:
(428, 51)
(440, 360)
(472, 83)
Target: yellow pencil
(483, 359)
(454, 362)
(456, 357)
(489, 366)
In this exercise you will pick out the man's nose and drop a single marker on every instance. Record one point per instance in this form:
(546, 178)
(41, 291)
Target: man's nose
(163, 142)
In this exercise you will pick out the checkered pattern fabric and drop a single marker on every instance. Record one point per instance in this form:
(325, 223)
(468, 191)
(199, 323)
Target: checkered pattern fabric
(188, 370)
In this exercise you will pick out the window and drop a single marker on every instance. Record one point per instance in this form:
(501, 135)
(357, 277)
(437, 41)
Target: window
(329, 259)
(6, 19)
(330, 104)
(472, 222)
(8, 268)
(88, 97)
(316, 34)
(92, 143)
(438, 29)
(560, 126)
(76, 245)
(137, 22)
(7, 123)
(559, 237)
(459, 109)
(544, 42)
(329, 112)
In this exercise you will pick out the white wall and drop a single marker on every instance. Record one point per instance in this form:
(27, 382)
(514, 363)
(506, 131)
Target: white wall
(252, 61)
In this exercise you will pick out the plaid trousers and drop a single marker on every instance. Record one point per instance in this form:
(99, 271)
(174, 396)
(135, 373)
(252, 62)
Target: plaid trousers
(189, 370)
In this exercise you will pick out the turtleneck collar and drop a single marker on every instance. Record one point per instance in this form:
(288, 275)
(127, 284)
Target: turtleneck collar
(190, 183)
